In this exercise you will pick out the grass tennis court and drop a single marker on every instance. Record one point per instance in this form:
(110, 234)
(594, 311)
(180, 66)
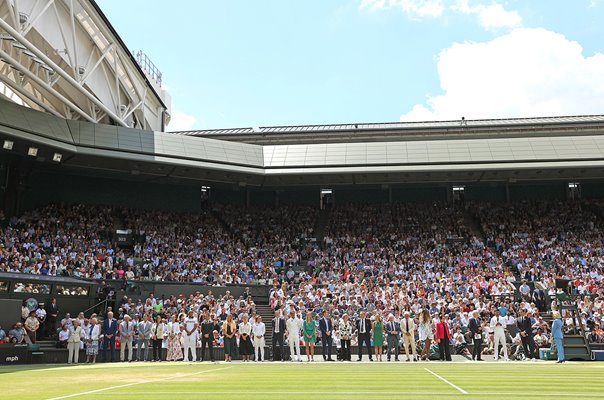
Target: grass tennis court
(303, 381)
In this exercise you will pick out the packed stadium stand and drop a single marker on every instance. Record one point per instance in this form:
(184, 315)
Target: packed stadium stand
(482, 232)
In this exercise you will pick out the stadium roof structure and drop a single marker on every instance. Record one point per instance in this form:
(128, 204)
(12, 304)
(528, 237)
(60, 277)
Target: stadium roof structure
(557, 148)
(65, 58)
(380, 131)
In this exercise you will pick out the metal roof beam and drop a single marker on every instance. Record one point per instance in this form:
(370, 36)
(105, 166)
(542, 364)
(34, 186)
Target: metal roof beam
(59, 70)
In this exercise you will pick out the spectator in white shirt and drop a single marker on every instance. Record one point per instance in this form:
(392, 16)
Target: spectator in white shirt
(63, 336)
(293, 326)
(245, 338)
(259, 330)
(189, 332)
(498, 326)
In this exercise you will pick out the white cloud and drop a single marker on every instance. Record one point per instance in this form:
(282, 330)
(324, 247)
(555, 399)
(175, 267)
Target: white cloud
(527, 72)
(413, 8)
(181, 122)
(490, 17)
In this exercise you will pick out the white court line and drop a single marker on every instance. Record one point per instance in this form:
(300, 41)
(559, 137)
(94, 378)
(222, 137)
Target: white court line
(289, 393)
(374, 393)
(447, 382)
(137, 383)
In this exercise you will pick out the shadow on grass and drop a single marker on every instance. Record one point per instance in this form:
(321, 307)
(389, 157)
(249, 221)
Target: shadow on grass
(31, 367)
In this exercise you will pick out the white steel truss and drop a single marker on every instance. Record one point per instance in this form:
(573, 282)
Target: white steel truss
(63, 57)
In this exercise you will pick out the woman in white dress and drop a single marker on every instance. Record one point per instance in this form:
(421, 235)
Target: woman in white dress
(174, 348)
(426, 333)
(91, 336)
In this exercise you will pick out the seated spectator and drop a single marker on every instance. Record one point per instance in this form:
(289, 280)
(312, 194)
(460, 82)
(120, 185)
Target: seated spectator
(17, 334)
(63, 336)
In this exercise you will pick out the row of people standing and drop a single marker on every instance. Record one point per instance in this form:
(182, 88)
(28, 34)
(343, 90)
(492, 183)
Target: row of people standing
(370, 334)
(182, 337)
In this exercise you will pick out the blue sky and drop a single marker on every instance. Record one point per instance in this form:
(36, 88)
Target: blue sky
(233, 63)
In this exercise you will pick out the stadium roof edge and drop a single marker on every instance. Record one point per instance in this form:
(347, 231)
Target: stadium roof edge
(416, 125)
(121, 42)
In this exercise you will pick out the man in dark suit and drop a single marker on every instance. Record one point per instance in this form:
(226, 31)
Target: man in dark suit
(364, 333)
(326, 328)
(539, 299)
(109, 330)
(278, 331)
(52, 313)
(475, 327)
(525, 328)
(207, 335)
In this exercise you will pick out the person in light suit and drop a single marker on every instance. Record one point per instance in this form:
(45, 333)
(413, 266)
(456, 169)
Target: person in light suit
(73, 342)
(408, 330)
(144, 334)
(293, 326)
(126, 334)
(558, 336)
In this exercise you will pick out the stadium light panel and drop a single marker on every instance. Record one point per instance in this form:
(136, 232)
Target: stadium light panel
(8, 145)
(33, 152)
(57, 157)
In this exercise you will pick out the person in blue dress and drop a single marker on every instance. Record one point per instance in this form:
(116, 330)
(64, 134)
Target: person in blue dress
(558, 336)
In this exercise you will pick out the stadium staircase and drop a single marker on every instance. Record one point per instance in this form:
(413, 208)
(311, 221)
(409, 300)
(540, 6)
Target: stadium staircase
(224, 224)
(321, 226)
(473, 224)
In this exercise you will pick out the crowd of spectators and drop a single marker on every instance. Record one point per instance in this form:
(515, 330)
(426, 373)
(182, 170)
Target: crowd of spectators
(385, 260)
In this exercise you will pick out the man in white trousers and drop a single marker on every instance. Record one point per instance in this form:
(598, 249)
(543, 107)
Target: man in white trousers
(258, 330)
(498, 324)
(293, 326)
(189, 333)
